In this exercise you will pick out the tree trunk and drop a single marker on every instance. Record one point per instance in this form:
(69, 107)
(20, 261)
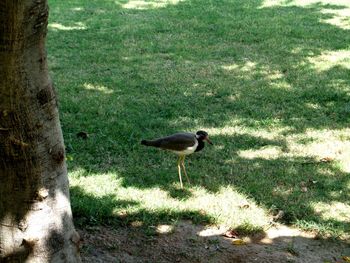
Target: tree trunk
(35, 214)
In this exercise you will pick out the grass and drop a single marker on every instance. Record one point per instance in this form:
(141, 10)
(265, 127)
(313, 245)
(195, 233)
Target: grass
(269, 81)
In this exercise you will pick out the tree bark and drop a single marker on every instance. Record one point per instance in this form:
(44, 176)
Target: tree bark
(35, 214)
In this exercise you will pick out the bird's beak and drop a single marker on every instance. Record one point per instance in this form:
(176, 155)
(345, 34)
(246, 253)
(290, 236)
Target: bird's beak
(207, 139)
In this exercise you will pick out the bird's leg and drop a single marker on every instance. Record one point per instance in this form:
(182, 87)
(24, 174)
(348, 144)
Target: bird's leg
(184, 169)
(179, 170)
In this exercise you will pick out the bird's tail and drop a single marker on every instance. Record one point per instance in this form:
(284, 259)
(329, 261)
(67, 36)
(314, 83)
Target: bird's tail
(154, 143)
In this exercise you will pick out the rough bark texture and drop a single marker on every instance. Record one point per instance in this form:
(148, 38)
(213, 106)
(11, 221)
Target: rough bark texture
(35, 215)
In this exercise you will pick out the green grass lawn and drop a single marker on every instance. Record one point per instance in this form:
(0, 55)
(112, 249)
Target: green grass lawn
(268, 80)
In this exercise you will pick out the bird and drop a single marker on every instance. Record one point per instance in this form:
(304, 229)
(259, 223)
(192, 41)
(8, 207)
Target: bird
(182, 144)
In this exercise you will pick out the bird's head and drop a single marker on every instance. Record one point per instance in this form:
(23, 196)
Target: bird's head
(203, 136)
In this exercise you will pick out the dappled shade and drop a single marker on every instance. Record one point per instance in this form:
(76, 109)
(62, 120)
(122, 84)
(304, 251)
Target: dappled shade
(260, 78)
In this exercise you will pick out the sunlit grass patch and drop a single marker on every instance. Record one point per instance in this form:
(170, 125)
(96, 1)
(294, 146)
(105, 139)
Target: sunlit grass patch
(100, 88)
(340, 17)
(227, 206)
(76, 26)
(304, 3)
(147, 4)
(331, 59)
(333, 211)
(337, 11)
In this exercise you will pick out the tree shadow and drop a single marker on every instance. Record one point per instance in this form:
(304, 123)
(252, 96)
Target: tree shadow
(107, 209)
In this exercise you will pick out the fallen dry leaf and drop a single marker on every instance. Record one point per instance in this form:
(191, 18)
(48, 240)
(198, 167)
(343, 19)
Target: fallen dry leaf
(245, 206)
(202, 212)
(136, 223)
(346, 259)
(304, 189)
(238, 242)
(326, 159)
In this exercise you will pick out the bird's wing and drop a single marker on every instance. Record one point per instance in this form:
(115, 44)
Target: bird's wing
(178, 141)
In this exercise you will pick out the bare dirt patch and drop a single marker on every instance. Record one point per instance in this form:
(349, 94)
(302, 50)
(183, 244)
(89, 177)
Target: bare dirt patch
(187, 242)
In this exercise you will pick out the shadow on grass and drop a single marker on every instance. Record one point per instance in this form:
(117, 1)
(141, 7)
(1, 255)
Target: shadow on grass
(216, 65)
(90, 209)
(181, 194)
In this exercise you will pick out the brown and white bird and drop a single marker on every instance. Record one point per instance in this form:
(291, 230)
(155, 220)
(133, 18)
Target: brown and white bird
(182, 144)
